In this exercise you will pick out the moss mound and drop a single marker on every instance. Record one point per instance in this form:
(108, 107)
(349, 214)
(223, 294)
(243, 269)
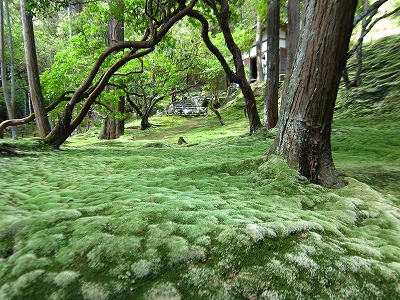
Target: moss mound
(145, 218)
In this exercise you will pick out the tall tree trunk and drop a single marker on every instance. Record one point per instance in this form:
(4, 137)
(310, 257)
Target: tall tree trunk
(307, 109)
(292, 39)
(260, 68)
(112, 128)
(271, 100)
(72, 9)
(35, 89)
(4, 80)
(293, 11)
(12, 70)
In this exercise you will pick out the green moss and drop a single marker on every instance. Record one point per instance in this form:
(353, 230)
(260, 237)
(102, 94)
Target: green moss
(217, 220)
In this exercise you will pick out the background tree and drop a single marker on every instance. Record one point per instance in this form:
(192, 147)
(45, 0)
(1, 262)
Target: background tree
(174, 68)
(262, 9)
(35, 89)
(293, 25)
(271, 99)
(8, 96)
(114, 128)
(12, 68)
(307, 109)
(292, 39)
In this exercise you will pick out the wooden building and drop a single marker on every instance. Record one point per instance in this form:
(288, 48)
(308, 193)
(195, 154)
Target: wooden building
(250, 57)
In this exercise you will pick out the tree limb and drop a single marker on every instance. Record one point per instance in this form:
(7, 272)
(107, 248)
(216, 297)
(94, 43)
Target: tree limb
(368, 29)
(66, 125)
(31, 117)
(211, 47)
(363, 14)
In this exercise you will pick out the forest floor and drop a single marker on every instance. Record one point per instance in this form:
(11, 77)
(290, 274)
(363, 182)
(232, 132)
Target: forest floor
(142, 217)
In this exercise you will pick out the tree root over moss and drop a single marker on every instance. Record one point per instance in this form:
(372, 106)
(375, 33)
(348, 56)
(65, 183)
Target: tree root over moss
(8, 149)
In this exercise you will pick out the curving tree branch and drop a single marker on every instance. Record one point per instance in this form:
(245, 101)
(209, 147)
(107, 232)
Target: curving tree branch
(31, 117)
(221, 11)
(139, 49)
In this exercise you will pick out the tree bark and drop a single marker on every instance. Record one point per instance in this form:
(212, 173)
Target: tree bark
(108, 130)
(260, 68)
(271, 100)
(307, 109)
(12, 69)
(293, 11)
(35, 89)
(4, 80)
(112, 127)
(144, 123)
(121, 123)
(292, 39)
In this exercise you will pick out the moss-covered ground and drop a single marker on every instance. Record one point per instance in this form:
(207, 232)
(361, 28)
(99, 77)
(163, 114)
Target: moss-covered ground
(145, 218)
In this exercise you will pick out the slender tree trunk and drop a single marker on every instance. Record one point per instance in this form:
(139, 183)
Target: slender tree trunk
(35, 88)
(271, 100)
(12, 70)
(74, 8)
(359, 52)
(346, 79)
(307, 109)
(4, 81)
(260, 68)
(121, 123)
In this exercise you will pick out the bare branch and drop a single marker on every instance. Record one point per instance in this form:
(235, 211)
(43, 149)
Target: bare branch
(368, 29)
(372, 7)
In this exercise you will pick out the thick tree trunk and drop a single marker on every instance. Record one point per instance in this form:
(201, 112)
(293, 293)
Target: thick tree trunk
(108, 129)
(35, 89)
(307, 109)
(271, 100)
(145, 124)
(293, 31)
